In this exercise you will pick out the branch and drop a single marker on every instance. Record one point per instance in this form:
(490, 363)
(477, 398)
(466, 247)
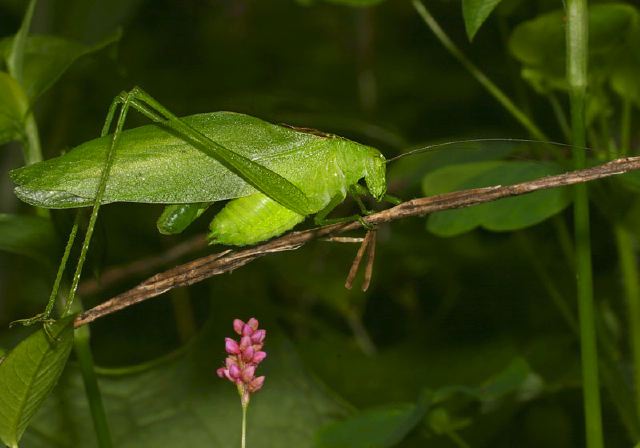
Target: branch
(203, 268)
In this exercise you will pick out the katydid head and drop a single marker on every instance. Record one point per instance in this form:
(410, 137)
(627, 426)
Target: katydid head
(375, 174)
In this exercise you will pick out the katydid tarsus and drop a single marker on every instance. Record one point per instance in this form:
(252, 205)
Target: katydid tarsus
(274, 175)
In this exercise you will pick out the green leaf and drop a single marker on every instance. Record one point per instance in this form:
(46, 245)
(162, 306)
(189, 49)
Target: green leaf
(475, 12)
(13, 108)
(15, 58)
(375, 428)
(46, 58)
(502, 215)
(27, 376)
(539, 44)
(517, 378)
(32, 236)
(181, 402)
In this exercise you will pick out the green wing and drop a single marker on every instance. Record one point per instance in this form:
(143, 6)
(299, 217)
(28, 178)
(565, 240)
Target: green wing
(152, 165)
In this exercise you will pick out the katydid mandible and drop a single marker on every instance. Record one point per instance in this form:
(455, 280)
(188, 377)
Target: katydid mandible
(275, 176)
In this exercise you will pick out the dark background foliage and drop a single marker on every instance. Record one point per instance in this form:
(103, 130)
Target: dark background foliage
(469, 310)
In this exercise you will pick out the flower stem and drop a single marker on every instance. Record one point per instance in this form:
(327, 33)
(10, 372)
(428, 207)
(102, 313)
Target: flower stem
(243, 443)
(576, 41)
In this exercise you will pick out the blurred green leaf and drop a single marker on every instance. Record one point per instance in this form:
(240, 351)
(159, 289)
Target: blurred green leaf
(32, 236)
(386, 426)
(48, 57)
(28, 374)
(15, 58)
(539, 45)
(13, 107)
(183, 403)
(375, 428)
(475, 12)
(516, 378)
(502, 215)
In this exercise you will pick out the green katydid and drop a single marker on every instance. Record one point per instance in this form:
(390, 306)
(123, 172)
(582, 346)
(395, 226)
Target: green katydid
(275, 175)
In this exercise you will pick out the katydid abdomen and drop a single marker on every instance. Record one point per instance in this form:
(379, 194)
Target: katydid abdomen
(250, 220)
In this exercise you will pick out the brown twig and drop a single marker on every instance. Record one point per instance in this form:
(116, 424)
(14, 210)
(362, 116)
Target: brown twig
(117, 274)
(203, 268)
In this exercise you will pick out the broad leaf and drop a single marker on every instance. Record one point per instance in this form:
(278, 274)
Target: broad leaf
(475, 12)
(32, 236)
(46, 58)
(502, 215)
(27, 376)
(387, 426)
(376, 428)
(183, 403)
(13, 108)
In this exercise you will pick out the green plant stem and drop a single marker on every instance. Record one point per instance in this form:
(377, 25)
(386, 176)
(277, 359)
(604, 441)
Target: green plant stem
(576, 41)
(629, 266)
(32, 149)
(625, 132)
(491, 87)
(243, 442)
(82, 350)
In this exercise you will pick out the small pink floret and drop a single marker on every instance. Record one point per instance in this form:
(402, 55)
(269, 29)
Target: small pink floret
(248, 373)
(231, 346)
(245, 342)
(256, 384)
(237, 326)
(258, 357)
(258, 336)
(247, 354)
(253, 323)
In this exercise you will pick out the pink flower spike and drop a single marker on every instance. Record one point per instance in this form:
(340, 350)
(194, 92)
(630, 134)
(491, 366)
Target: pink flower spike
(253, 323)
(258, 336)
(231, 346)
(243, 358)
(256, 384)
(258, 357)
